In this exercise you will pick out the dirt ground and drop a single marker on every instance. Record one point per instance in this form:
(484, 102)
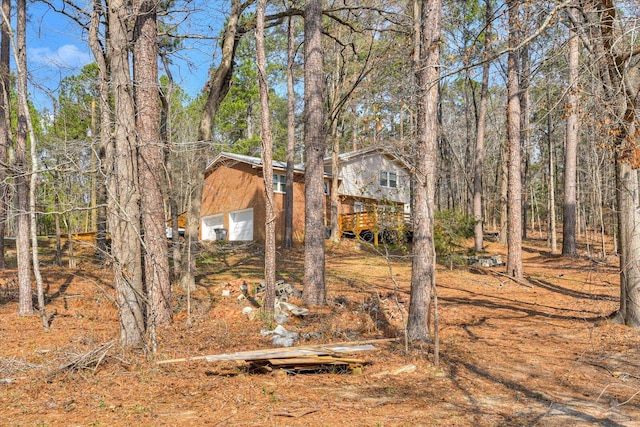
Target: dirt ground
(538, 352)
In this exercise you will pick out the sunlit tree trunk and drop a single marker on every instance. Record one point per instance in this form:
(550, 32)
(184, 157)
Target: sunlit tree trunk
(424, 260)
(478, 230)
(24, 113)
(151, 162)
(5, 122)
(104, 146)
(335, 183)
(525, 101)
(268, 304)
(620, 79)
(291, 138)
(571, 151)
(125, 218)
(504, 186)
(514, 198)
(21, 172)
(553, 240)
(314, 292)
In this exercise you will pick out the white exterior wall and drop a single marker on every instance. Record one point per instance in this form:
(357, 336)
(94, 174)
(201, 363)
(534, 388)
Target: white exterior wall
(361, 178)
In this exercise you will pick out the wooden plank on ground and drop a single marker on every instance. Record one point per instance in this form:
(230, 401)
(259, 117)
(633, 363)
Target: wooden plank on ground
(278, 353)
(315, 361)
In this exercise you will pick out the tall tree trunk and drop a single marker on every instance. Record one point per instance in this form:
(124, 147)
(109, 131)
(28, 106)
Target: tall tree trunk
(291, 137)
(423, 264)
(478, 230)
(93, 203)
(525, 80)
(125, 219)
(514, 198)
(151, 162)
(629, 226)
(21, 171)
(105, 146)
(218, 86)
(267, 166)
(165, 115)
(5, 121)
(571, 151)
(335, 182)
(23, 107)
(619, 71)
(314, 292)
(553, 240)
(58, 228)
(504, 186)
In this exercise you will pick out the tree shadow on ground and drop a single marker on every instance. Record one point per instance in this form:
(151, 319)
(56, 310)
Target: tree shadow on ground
(492, 305)
(570, 292)
(455, 362)
(61, 290)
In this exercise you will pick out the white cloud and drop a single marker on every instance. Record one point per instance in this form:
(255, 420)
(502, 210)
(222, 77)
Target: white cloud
(67, 56)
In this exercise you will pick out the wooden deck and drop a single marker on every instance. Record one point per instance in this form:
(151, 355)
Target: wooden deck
(370, 226)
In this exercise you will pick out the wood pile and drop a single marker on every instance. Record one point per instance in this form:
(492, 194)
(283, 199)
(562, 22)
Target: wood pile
(321, 357)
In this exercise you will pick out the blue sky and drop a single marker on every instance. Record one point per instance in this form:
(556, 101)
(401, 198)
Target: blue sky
(57, 47)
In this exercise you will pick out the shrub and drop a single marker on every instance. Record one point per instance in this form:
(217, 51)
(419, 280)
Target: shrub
(451, 228)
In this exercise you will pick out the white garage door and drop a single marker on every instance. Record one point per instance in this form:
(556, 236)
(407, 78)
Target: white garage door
(209, 226)
(241, 225)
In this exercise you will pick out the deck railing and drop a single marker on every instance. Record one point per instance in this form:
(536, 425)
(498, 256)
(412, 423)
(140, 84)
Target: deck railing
(369, 225)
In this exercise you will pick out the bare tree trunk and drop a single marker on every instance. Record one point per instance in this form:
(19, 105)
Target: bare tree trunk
(93, 204)
(335, 182)
(314, 292)
(269, 298)
(504, 186)
(151, 162)
(597, 189)
(618, 67)
(21, 170)
(21, 64)
(291, 138)
(25, 126)
(218, 86)
(5, 122)
(478, 230)
(58, 229)
(553, 239)
(525, 81)
(629, 225)
(423, 271)
(125, 219)
(105, 146)
(571, 151)
(165, 116)
(514, 200)
(71, 261)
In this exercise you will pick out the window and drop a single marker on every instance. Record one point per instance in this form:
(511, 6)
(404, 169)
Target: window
(388, 179)
(279, 182)
(327, 188)
(358, 207)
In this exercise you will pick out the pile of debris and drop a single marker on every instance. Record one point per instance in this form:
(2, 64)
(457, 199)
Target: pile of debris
(296, 359)
(485, 260)
(283, 310)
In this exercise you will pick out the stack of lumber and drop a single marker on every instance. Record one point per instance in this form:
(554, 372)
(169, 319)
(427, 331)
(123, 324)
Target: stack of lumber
(303, 358)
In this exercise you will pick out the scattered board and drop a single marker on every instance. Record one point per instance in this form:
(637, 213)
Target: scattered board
(302, 358)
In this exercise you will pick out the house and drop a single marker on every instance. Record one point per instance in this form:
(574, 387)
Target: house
(372, 178)
(233, 200)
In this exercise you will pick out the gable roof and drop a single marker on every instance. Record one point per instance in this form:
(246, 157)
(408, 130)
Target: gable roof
(253, 161)
(256, 162)
(369, 150)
